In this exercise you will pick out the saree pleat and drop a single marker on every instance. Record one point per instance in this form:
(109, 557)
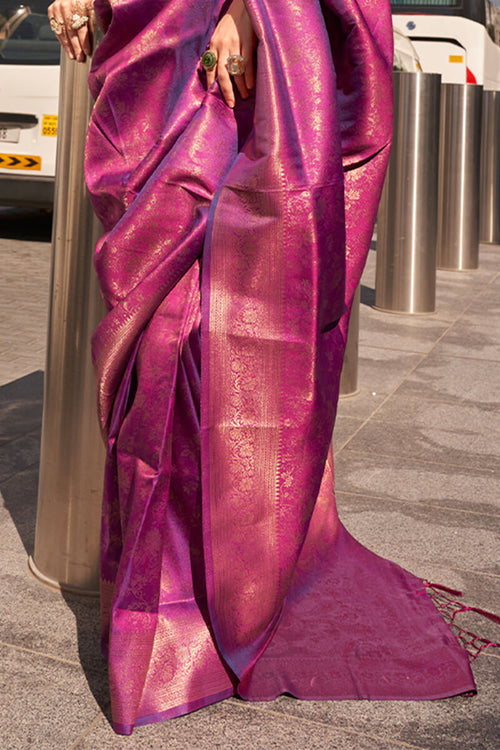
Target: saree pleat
(160, 643)
(233, 244)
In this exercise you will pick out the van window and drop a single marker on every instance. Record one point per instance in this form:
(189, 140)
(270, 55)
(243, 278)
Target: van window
(25, 34)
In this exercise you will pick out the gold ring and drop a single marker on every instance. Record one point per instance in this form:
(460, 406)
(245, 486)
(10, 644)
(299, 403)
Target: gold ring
(77, 21)
(209, 60)
(235, 65)
(56, 26)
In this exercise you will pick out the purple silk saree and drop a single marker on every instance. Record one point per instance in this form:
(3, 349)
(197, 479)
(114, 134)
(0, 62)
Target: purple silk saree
(234, 241)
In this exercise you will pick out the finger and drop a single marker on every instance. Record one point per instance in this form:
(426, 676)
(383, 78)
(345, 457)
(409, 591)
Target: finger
(90, 32)
(249, 69)
(241, 86)
(60, 12)
(56, 15)
(67, 44)
(52, 10)
(85, 30)
(77, 27)
(74, 42)
(84, 39)
(225, 82)
(211, 74)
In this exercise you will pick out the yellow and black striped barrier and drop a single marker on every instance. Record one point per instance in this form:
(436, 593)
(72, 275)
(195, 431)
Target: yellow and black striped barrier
(20, 161)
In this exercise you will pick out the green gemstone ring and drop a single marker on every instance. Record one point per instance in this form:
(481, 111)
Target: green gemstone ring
(209, 60)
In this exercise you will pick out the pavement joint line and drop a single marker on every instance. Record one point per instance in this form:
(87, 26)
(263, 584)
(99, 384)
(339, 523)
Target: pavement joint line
(95, 721)
(480, 469)
(417, 364)
(384, 401)
(469, 467)
(489, 655)
(445, 399)
(418, 561)
(391, 349)
(420, 361)
(22, 436)
(42, 654)
(418, 503)
(256, 706)
(464, 356)
(8, 477)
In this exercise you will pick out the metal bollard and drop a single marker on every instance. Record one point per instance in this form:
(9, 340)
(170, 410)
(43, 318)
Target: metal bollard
(459, 176)
(489, 212)
(69, 494)
(349, 376)
(405, 279)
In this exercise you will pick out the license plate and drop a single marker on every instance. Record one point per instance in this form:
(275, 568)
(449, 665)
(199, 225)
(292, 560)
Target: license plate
(9, 135)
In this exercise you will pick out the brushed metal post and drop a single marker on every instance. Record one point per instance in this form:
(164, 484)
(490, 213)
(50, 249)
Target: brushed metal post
(405, 280)
(71, 465)
(349, 376)
(489, 212)
(459, 176)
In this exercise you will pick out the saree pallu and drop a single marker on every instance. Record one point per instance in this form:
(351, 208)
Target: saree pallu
(233, 244)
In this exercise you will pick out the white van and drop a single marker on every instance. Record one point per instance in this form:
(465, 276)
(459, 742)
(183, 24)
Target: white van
(405, 55)
(29, 92)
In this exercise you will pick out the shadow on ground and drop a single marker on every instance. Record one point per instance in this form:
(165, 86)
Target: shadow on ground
(20, 427)
(367, 296)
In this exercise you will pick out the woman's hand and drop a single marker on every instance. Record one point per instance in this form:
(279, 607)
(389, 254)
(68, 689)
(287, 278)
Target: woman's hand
(233, 35)
(77, 42)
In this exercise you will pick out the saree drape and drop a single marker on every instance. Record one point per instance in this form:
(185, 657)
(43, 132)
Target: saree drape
(233, 244)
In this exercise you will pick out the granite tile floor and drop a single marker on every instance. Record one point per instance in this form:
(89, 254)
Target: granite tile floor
(418, 480)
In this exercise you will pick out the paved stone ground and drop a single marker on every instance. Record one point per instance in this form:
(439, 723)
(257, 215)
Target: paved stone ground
(418, 478)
